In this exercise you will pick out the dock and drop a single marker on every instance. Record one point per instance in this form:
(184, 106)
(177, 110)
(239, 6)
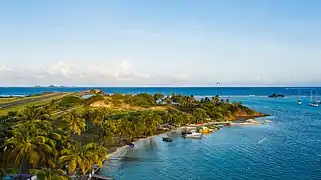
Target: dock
(99, 177)
(226, 123)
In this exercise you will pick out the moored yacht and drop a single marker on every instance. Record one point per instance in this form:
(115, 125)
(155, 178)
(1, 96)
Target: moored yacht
(313, 104)
(299, 102)
(194, 135)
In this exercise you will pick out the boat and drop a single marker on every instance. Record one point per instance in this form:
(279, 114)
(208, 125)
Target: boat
(185, 132)
(299, 101)
(312, 104)
(130, 144)
(205, 130)
(316, 98)
(193, 135)
(274, 95)
(267, 121)
(220, 125)
(167, 139)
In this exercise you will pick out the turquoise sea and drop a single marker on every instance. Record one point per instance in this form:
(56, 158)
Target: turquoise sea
(201, 91)
(288, 148)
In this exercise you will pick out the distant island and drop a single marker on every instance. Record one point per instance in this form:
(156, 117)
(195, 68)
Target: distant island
(274, 95)
(51, 86)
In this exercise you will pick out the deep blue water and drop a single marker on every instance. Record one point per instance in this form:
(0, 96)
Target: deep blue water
(288, 148)
(203, 91)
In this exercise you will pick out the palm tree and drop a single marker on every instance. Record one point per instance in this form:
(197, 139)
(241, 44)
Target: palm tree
(27, 149)
(40, 127)
(34, 112)
(31, 113)
(124, 129)
(87, 115)
(215, 100)
(98, 117)
(107, 131)
(75, 123)
(50, 174)
(200, 114)
(82, 158)
(152, 121)
(52, 105)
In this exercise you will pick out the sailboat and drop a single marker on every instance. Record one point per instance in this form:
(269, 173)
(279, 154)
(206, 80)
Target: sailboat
(316, 98)
(312, 104)
(299, 101)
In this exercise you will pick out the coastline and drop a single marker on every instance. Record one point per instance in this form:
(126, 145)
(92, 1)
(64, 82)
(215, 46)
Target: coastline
(120, 150)
(241, 121)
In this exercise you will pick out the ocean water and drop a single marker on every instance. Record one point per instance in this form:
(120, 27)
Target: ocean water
(288, 148)
(198, 91)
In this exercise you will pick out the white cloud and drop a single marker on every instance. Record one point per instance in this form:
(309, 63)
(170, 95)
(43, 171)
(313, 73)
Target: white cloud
(5, 68)
(124, 65)
(69, 74)
(123, 74)
(182, 77)
(62, 68)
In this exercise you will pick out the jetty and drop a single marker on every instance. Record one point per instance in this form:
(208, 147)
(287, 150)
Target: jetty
(226, 123)
(99, 177)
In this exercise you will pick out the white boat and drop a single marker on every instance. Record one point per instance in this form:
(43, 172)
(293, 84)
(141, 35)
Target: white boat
(316, 97)
(267, 121)
(313, 104)
(299, 100)
(194, 135)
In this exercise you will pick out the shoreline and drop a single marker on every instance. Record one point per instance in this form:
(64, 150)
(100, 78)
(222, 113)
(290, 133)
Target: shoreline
(242, 122)
(119, 150)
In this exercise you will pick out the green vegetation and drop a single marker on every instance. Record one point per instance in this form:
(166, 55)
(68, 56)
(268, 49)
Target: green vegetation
(93, 99)
(20, 107)
(9, 99)
(69, 101)
(68, 136)
(18, 98)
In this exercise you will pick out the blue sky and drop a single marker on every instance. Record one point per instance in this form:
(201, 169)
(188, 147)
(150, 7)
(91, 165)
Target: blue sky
(160, 42)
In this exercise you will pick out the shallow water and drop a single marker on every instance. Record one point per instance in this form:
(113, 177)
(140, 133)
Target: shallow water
(288, 148)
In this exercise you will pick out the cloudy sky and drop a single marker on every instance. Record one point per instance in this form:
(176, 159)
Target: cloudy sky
(160, 42)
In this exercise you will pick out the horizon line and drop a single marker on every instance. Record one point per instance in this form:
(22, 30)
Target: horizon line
(158, 86)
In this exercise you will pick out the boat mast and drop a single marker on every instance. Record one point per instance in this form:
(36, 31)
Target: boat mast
(311, 96)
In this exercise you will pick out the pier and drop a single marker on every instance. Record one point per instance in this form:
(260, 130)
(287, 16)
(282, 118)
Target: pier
(226, 123)
(99, 177)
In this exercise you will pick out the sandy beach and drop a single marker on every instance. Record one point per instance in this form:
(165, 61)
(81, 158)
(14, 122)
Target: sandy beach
(121, 151)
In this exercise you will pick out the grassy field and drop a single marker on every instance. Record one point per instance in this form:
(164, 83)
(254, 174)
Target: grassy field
(20, 107)
(10, 99)
(19, 98)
